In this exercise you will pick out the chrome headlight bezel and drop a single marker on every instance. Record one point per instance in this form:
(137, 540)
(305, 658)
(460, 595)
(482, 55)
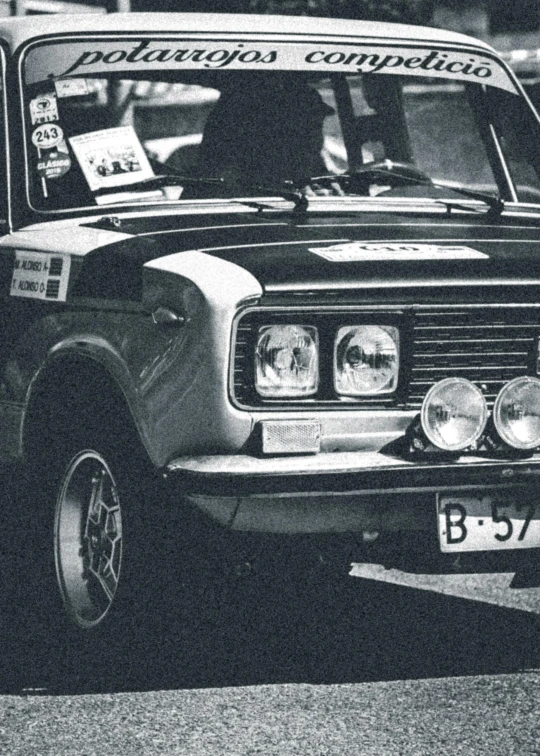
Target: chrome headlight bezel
(300, 347)
(327, 320)
(381, 345)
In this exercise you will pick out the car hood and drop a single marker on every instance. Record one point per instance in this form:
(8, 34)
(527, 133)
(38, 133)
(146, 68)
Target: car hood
(325, 253)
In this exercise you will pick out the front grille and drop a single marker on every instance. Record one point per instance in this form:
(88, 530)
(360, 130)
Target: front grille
(487, 345)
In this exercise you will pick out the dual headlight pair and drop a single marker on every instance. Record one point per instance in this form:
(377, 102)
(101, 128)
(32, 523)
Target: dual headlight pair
(365, 360)
(454, 414)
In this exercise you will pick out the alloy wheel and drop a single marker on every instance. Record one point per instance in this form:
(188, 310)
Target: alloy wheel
(88, 539)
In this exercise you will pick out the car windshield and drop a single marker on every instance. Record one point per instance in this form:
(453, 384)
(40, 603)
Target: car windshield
(159, 121)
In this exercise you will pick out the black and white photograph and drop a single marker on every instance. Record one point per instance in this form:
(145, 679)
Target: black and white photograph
(270, 377)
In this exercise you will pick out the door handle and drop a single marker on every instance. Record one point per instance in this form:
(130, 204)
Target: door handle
(165, 316)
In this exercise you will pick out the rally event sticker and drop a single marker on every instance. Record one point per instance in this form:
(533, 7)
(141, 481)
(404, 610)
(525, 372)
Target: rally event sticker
(359, 252)
(71, 87)
(55, 164)
(47, 135)
(40, 275)
(44, 109)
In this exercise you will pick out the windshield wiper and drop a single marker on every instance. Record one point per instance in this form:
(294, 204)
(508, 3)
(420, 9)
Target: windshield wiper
(157, 182)
(397, 173)
(287, 190)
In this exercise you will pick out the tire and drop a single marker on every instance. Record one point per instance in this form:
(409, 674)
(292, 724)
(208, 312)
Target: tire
(91, 566)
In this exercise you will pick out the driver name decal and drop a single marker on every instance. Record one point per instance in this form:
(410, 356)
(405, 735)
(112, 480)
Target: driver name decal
(40, 275)
(359, 252)
(84, 58)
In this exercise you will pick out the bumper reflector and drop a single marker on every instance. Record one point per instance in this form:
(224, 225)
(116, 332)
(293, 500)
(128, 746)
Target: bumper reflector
(290, 436)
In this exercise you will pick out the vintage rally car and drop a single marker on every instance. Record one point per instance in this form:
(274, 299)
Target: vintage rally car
(274, 275)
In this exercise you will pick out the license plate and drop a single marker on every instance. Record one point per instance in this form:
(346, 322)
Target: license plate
(488, 523)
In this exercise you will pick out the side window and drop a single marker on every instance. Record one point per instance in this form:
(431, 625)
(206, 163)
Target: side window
(519, 136)
(379, 125)
(334, 154)
(170, 120)
(445, 138)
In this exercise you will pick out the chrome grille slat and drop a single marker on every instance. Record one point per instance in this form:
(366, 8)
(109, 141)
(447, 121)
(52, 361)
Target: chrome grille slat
(431, 355)
(489, 347)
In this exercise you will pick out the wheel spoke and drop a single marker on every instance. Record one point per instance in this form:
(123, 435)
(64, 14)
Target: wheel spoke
(106, 578)
(96, 498)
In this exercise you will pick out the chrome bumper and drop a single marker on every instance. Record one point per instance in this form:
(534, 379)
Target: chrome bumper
(336, 492)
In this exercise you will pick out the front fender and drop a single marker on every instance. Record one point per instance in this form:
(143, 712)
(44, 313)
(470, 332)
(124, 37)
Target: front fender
(174, 379)
(188, 387)
(84, 358)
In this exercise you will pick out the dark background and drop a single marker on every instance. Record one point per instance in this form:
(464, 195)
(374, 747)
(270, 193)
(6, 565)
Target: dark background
(485, 16)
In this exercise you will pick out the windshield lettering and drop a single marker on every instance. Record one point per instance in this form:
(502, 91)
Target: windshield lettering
(101, 57)
(220, 58)
(433, 61)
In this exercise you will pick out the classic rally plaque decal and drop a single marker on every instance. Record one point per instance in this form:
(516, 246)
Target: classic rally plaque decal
(111, 157)
(54, 164)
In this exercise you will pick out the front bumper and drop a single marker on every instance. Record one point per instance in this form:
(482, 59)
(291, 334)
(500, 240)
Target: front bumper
(337, 492)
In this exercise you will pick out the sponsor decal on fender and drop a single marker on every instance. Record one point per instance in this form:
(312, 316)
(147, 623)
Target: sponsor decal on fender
(82, 58)
(359, 252)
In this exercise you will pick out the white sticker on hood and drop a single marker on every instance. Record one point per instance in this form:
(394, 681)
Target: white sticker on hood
(357, 252)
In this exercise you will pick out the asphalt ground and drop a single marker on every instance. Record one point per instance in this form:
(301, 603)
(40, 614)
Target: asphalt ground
(373, 659)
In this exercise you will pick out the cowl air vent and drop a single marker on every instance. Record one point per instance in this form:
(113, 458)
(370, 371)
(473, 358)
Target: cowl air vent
(487, 345)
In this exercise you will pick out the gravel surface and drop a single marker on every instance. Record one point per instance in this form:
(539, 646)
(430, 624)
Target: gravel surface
(495, 715)
(378, 663)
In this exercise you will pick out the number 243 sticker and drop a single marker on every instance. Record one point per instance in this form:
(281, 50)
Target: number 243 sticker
(47, 136)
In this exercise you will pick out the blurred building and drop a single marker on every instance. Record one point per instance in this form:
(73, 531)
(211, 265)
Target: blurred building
(512, 26)
(38, 7)
(483, 18)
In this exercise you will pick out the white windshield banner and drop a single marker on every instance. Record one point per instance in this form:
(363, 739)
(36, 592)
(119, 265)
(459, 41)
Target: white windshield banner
(101, 57)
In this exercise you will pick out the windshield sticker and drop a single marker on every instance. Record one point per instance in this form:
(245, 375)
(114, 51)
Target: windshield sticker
(111, 157)
(359, 252)
(55, 164)
(82, 58)
(38, 275)
(71, 87)
(43, 109)
(47, 136)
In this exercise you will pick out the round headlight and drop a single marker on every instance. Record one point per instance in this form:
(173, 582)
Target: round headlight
(287, 361)
(516, 413)
(454, 414)
(366, 360)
